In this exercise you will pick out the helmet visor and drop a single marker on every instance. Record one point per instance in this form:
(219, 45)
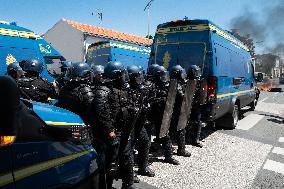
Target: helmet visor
(164, 76)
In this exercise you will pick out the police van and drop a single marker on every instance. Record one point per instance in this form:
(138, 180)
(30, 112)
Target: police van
(18, 43)
(225, 62)
(110, 51)
(48, 148)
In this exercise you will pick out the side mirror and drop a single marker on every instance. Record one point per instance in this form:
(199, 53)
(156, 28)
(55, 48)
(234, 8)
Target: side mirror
(9, 108)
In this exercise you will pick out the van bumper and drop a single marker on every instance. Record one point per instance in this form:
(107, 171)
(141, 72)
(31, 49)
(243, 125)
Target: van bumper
(211, 112)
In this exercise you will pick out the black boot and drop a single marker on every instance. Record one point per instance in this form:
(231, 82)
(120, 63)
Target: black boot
(135, 178)
(183, 152)
(146, 171)
(125, 186)
(196, 141)
(128, 178)
(168, 153)
(197, 144)
(171, 160)
(181, 144)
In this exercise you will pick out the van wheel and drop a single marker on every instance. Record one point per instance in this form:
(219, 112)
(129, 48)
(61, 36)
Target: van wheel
(252, 105)
(230, 121)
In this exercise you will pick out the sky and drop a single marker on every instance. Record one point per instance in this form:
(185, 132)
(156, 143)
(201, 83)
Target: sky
(122, 15)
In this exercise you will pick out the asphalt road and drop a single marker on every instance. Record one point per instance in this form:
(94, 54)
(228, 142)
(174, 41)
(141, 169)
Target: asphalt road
(250, 156)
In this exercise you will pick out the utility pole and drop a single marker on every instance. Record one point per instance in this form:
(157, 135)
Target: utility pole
(147, 7)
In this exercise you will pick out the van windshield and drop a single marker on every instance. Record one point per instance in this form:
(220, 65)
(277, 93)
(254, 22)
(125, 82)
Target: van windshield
(185, 54)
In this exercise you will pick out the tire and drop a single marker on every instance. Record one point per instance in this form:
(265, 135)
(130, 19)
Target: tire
(230, 120)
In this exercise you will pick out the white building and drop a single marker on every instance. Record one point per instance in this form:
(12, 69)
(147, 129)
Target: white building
(72, 39)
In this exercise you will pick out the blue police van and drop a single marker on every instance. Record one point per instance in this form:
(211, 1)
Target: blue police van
(110, 51)
(18, 43)
(225, 62)
(51, 150)
(52, 146)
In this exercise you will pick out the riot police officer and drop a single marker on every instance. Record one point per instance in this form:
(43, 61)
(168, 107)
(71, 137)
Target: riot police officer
(15, 71)
(194, 73)
(125, 114)
(161, 81)
(77, 95)
(178, 73)
(151, 71)
(62, 79)
(32, 86)
(140, 138)
(103, 130)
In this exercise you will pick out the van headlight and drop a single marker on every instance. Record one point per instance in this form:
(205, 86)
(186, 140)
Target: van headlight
(81, 133)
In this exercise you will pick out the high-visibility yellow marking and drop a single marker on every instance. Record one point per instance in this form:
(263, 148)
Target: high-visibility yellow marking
(235, 93)
(186, 28)
(6, 179)
(62, 123)
(201, 27)
(228, 37)
(26, 172)
(121, 46)
(37, 168)
(18, 33)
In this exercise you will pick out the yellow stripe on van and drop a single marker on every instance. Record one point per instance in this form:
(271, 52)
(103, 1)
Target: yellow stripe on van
(201, 27)
(228, 37)
(62, 123)
(37, 168)
(235, 93)
(6, 179)
(18, 33)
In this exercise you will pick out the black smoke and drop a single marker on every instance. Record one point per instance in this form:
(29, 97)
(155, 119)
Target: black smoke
(265, 27)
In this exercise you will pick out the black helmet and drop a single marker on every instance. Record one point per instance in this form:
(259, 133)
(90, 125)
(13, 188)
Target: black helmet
(65, 66)
(178, 72)
(151, 69)
(161, 74)
(97, 73)
(98, 69)
(79, 70)
(31, 66)
(136, 75)
(193, 72)
(116, 72)
(14, 70)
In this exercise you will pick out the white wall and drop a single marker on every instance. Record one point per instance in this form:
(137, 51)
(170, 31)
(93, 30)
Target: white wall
(67, 40)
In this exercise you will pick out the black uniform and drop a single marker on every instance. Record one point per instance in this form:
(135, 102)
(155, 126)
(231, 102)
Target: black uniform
(195, 127)
(142, 137)
(104, 124)
(125, 114)
(36, 89)
(156, 118)
(179, 136)
(77, 97)
(199, 100)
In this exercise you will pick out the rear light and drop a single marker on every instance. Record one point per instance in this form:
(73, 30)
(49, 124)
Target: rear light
(211, 89)
(6, 140)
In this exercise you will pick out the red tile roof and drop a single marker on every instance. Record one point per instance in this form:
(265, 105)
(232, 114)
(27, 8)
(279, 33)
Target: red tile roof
(109, 34)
